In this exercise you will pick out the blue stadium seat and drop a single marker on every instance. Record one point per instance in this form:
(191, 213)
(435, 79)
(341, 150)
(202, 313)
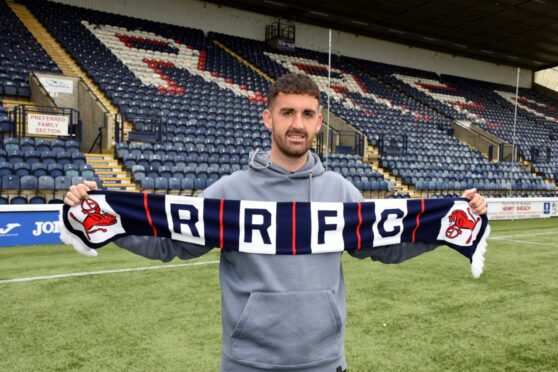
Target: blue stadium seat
(161, 185)
(76, 180)
(6, 169)
(72, 146)
(31, 156)
(148, 184)
(187, 186)
(19, 200)
(28, 186)
(46, 187)
(15, 156)
(63, 157)
(38, 169)
(174, 185)
(57, 146)
(77, 158)
(71, 170)
(22, 169)
(42, 145)
(55, 170)
(37, 199)
(48, 157)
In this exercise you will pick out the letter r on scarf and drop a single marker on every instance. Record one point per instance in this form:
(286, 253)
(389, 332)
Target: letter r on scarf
(177, 221)
(249, 224)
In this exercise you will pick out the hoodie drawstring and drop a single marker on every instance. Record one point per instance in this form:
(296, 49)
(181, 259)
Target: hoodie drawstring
(310, 180)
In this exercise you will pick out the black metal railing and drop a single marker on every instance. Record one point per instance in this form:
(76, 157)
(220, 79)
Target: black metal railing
(44, 119)
(393, 144)
(146, 128)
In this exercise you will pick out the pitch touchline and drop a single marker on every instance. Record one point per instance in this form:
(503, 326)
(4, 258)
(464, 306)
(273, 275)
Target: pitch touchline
(520, 235)
(526, 242)
(101, 272)
(115, 271)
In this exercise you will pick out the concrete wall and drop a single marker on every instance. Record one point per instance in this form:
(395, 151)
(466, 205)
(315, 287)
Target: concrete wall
(548, 78)
(94, 116)
(62, 99)
(212, 17)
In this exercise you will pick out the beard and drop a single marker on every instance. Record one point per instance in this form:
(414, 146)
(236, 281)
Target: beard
(290, 150)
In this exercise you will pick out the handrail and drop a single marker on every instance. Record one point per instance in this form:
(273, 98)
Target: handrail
(94, 95)
(41, 86)
(99, 139)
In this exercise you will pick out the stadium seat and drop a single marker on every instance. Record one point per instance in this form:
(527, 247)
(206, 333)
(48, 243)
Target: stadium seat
(19, 200)
(46, 187)
(6, 169)
(187, 186)
(148, 184)
(61, 186)
(28, 186)
(10, 186)
(38, 169)
(22, 169)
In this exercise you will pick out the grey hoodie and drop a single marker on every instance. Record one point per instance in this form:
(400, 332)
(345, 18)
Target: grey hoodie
(279, 312)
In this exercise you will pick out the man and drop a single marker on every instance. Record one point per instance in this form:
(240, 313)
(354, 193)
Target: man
(281, 312)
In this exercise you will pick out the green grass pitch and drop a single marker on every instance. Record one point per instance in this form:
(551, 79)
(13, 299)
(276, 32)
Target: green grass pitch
(427, 314)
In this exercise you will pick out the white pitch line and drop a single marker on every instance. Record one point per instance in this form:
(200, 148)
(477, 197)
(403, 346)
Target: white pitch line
(102, 272)
(522, 235)
(526, 242)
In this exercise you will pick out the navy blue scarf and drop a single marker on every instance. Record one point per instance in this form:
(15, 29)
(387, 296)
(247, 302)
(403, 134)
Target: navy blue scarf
(291, 228)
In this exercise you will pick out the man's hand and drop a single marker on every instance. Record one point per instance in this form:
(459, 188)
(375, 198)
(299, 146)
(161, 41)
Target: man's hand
(79, 192)
(477, 202)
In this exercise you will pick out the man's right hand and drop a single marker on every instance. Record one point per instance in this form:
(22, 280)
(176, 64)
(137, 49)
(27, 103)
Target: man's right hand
(77, 193)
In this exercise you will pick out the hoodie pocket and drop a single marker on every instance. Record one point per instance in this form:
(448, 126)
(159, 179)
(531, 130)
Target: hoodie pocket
(288, 329)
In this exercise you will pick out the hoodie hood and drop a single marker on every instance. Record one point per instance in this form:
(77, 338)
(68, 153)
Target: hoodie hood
(259, 161)
(313, 168)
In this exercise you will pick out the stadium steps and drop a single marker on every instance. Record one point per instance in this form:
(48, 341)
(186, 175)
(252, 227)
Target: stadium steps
(62, 59)
(110, 172)
(372, 158)
(527, 164)
(244, 61)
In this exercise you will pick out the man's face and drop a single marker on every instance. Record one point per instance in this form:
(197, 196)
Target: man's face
(294, 120)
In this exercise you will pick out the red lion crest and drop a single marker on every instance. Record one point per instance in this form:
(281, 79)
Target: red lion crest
(94, 217)
(459, 221)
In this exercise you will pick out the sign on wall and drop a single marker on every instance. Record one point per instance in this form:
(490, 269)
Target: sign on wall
(51, 125)
(54, 85)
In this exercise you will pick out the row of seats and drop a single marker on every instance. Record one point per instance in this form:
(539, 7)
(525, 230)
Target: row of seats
(36, 190)
(20, 53)
(41, 169)
(211, 103)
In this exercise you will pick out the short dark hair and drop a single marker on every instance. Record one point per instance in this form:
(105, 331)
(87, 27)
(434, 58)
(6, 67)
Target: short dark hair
(292, 83)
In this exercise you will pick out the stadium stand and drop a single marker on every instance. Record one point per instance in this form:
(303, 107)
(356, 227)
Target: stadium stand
(31, 168)
(19, 54)
(210, 103)
(365, 96)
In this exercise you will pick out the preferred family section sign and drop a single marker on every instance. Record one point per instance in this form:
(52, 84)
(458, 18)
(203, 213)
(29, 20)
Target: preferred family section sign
(47, 125)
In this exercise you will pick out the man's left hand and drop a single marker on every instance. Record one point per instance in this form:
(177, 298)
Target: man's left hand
(476, 201)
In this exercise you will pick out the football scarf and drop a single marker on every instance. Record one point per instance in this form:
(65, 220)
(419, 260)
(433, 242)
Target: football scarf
(262, 227)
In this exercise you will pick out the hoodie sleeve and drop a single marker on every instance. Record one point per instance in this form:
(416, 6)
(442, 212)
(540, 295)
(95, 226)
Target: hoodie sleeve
(163, 249)
(394, 254)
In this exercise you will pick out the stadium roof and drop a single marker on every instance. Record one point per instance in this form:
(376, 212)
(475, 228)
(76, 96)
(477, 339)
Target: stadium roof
(520, 33)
